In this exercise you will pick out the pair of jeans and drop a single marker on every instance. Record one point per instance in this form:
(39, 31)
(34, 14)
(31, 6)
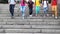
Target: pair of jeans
(22, 8)
(11, 8)
(30, 11)
(45, 10)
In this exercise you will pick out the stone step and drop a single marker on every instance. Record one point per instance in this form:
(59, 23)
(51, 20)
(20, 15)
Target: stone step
(16, 11)
(2, 23)
(33, 20)
(25, 22)
(35, 31)
(20, 14)
(27, 17)
(1, 31)
(32, 23)
(30, 26)
(25, 12)
(19, 30)
(29, 33)
(45, 26)
(50, 30)
(32, 30)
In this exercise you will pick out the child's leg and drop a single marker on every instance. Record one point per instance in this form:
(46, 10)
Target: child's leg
(30, 11)
(56, 12)
(38, 9)
(23, 11)
(12, 10)
(45, 11)
(53, 10)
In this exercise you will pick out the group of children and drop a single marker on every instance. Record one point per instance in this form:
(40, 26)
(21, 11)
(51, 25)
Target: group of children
(37, 4)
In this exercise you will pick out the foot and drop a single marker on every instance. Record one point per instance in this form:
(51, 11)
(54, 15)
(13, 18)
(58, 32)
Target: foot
(23, 17)
(47, 15)
(36, 15)
(56, 17)
(12, 17)
(52, 15)
(30, 15)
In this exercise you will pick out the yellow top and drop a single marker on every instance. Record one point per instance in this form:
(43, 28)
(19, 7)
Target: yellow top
(37, 2)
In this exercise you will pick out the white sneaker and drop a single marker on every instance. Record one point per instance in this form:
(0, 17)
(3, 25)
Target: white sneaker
(30, 15)
(52, 15)
(23, 17)
(47, 14)
(56, 17)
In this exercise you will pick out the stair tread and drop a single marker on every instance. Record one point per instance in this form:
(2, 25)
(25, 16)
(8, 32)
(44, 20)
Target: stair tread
(30, 26)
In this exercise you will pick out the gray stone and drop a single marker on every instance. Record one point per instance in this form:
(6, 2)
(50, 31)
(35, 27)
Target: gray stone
(46, 26)
(18, 23)
(50, 30)
(1, 30)
(16, 26)
(18, 33)
(2, 23)
(22, 30)
(46, 33)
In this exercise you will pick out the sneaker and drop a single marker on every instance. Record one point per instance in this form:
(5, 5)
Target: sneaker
(36, 15)
(12, 17)
(30, 15)
(56, 17)
(47, 15)
(23, 17)
(52, 15)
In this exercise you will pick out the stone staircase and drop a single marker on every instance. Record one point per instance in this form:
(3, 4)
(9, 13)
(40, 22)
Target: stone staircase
(29, 25)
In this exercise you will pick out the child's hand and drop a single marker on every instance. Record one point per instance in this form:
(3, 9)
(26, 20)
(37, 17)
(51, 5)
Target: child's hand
(33, 4)
(41, 5)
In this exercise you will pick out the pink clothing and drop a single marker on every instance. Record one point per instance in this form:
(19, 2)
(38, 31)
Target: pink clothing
(22, 3)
